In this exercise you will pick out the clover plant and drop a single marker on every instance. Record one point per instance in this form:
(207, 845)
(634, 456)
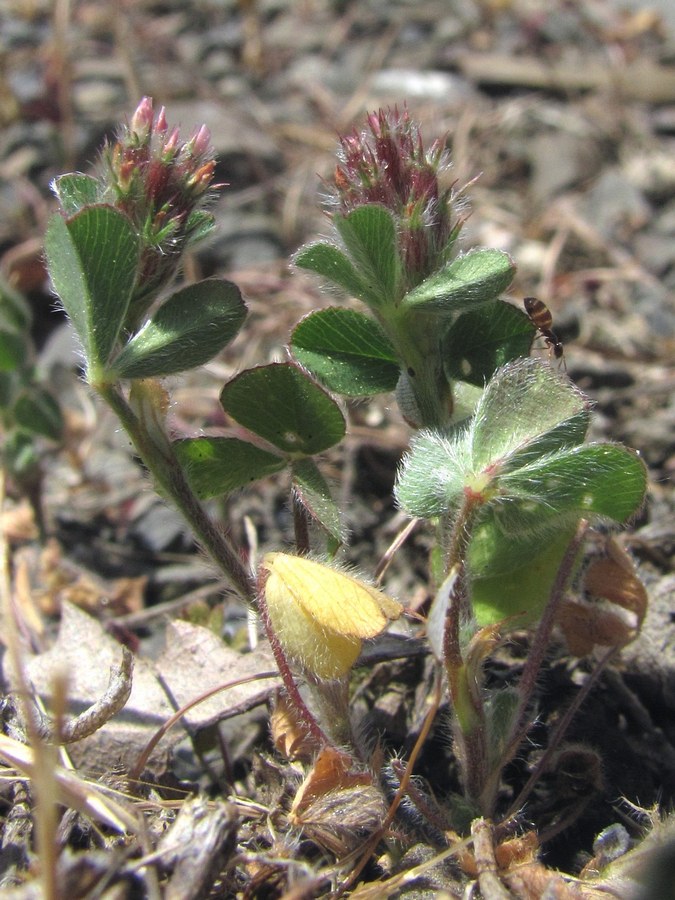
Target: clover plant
(499, 464)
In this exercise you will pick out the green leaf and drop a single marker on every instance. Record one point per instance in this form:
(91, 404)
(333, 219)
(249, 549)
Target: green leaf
(75, 191)
(492, 552)
(93, 261)
(37, 412)
(485, 338)
(521, 592)
(568, 433)
(200, 225)
(218, 466)
(331, 263)
(314, 494)
(524, 401)
(501, 708)
(346, 351)
(20, 455)
(369, 235)
(522, 453)
(542, 506)
(188, 330)
(465, 398)
(13, 350)
(477, 277)
(432, 475)
(594, 480)
(282, 405)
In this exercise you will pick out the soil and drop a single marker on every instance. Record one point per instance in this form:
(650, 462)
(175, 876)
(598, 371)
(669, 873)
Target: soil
(564, 114)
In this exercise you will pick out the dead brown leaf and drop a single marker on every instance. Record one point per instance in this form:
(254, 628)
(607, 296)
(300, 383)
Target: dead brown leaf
(193, 662)
(291, 737)
(332, 771)
(85, 652)
(613, 610)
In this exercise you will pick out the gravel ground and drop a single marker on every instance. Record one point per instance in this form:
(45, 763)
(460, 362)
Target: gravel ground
(563, 112)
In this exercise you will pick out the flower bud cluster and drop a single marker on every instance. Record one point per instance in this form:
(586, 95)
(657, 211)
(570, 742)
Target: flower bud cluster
(387, 164)
(159, 181)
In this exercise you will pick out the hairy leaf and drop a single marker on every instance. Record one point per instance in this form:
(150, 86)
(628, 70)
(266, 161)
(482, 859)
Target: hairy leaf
(346, 351)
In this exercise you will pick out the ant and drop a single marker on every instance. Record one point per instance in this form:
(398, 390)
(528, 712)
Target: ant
(540, 316)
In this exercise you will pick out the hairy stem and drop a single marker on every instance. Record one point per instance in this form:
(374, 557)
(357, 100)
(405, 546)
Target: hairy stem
(300, 524)
(418, 350)
(463, 681)
(159, 458)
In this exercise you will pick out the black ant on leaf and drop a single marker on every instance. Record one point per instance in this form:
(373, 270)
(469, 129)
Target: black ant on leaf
(540, 316)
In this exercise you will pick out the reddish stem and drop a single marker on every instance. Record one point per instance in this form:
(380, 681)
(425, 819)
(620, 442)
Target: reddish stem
(304, 714)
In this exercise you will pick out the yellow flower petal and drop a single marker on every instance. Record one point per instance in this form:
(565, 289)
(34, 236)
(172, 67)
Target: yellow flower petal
(334, 600)
(320, 615)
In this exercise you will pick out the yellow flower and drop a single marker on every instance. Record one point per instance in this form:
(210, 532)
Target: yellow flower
(321, 617)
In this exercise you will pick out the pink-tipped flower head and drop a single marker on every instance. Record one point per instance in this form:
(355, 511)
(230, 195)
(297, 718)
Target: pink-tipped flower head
(387, 164)
(159, 181)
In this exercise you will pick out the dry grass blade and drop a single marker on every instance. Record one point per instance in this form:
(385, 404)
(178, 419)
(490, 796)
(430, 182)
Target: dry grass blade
(72, 790)
(392, 886)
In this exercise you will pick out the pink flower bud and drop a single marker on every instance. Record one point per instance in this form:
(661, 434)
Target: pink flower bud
(171, 143)
(200, 141)
(161, 126)
(141, 121)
